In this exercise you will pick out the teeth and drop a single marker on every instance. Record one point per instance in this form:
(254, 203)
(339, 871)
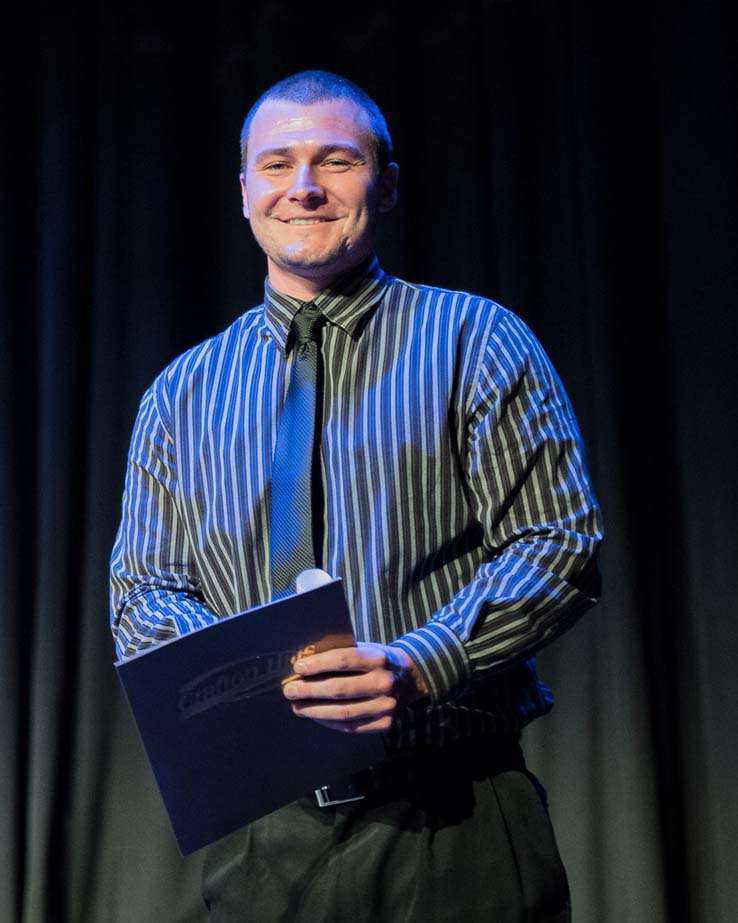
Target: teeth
(306, 220)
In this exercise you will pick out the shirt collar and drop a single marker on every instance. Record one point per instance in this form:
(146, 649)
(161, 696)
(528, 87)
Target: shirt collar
(344, 304)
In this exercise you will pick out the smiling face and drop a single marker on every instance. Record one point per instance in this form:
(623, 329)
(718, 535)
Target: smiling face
(312, 192)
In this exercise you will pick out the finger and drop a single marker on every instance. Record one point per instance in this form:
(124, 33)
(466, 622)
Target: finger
(341, 686)
(346, 712)
(362, 726)
(339, 660)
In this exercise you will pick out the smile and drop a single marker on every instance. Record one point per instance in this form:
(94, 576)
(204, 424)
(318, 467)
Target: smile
(303, 221)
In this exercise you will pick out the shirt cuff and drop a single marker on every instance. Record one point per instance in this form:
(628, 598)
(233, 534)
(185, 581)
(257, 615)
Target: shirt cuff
(441, 659)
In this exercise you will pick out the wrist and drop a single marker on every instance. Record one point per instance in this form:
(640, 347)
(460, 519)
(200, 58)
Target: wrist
(440, 658)
(415, 686)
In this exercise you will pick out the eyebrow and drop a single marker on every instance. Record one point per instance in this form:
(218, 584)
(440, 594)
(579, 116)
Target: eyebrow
(323, 151)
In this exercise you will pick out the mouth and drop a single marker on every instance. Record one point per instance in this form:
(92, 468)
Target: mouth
(303, 222)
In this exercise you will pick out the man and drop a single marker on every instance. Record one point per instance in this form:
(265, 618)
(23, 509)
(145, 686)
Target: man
(452, 498)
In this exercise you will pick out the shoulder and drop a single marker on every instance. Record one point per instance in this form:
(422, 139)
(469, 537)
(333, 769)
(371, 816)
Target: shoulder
(433, 296)
(491, 321)
(206, 360)
(500, 346)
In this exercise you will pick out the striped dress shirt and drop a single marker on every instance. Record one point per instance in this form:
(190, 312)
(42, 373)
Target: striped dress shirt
(458, 508)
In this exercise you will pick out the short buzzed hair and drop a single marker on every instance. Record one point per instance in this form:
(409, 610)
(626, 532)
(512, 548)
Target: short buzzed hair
(315, 86)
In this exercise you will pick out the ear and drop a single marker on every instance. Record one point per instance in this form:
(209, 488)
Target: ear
(244, 196)
(388, 187)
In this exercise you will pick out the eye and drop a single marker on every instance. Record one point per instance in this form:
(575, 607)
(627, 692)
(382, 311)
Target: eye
(336, 164)
(278, 166)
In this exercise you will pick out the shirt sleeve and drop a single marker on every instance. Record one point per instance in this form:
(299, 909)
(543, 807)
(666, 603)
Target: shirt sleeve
(156, 594)
(529, 488)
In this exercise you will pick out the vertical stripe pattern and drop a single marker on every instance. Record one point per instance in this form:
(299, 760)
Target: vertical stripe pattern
(458, 508)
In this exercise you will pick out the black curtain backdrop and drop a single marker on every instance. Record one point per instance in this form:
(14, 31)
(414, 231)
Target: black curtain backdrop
(574, 161)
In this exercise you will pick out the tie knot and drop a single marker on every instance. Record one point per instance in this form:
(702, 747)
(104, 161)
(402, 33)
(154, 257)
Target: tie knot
(306, 324)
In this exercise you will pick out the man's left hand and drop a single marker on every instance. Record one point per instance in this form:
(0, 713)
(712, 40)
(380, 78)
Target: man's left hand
(355, 689)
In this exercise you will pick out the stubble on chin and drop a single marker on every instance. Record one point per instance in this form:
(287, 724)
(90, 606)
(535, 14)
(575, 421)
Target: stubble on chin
(301, 257)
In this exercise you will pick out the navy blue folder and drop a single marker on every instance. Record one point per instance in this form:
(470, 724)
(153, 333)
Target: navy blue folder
(221, 738)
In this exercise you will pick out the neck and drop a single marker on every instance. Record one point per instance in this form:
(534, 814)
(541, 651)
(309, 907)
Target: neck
(305, 288)
(296, 286)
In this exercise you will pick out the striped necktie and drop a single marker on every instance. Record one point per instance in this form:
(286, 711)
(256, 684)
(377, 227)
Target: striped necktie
(294, 468)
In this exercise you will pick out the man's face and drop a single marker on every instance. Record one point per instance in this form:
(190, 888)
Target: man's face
(311, 190)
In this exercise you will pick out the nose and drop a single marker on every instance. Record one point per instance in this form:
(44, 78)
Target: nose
(304, 186)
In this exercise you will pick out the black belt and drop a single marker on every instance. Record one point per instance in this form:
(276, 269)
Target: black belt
(461, 760)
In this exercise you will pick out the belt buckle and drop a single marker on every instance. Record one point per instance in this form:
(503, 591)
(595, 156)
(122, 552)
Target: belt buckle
(323, 797)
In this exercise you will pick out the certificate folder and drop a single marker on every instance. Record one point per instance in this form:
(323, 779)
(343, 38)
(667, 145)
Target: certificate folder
(221, 738)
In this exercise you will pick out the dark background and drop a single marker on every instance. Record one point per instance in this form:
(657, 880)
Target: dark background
(574, 161)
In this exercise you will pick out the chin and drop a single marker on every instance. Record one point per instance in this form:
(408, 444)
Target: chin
(318, 262)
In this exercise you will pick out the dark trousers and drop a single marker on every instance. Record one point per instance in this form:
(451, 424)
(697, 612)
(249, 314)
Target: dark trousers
(468, 840)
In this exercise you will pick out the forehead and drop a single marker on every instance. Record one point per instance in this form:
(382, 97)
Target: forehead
(282, 123)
